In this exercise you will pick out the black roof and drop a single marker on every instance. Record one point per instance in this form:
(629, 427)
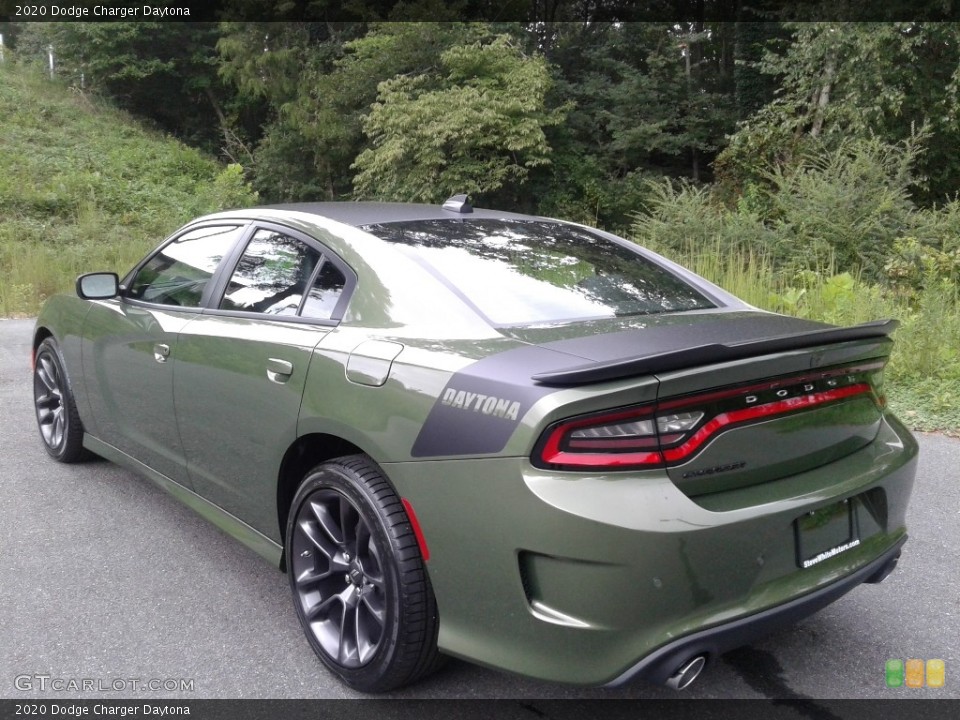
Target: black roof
(359, 214)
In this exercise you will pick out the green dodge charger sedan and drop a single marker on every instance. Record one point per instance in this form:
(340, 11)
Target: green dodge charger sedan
(505, 438)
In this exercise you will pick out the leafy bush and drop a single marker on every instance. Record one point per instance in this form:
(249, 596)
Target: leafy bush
(683, 217)
(835, 239)
(844, 208)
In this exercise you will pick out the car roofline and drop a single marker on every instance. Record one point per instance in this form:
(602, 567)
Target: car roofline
(361, 214)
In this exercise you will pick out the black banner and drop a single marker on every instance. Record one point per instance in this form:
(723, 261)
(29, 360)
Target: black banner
(482, 709)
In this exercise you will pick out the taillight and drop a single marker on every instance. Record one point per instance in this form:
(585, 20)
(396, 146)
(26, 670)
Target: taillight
(625, 438)
(673, 431)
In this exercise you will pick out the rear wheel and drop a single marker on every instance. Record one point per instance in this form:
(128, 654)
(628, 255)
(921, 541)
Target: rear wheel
(359, 583)
(57, 416)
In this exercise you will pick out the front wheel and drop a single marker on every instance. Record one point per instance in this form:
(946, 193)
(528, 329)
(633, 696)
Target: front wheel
(57, 416)
(359, 583)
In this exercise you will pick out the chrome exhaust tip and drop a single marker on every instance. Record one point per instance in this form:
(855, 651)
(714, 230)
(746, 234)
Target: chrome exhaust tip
(687, 673)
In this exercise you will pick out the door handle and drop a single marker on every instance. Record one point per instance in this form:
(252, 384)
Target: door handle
(279, 371)
(161, 352)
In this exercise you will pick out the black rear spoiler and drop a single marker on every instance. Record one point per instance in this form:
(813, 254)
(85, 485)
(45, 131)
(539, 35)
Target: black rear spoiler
(712, 353)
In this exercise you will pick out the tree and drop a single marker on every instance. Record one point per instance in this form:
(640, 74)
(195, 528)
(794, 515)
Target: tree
(166, 72)
(334, 100)
(474, 125)
(274, 67)
(317, 81)
(842, 80)
(648, 99)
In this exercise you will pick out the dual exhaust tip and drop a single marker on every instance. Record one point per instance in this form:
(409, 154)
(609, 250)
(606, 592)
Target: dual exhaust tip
(687, 673)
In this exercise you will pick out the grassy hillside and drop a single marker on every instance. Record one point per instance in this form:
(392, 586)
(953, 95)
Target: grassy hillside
(84, 187)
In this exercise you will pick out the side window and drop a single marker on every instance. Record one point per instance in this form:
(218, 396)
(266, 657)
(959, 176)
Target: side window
(324, 294)
(179, 272)
(272, 275)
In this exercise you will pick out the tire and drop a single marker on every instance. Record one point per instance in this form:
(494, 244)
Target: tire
(360, 587)
(57, 416)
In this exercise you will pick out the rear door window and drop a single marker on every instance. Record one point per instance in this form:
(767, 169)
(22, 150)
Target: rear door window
(272, 275)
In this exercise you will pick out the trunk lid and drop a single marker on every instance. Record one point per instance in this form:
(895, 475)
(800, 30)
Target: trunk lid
(743, 397)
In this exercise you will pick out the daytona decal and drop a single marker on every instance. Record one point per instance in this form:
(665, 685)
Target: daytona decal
(487, 404)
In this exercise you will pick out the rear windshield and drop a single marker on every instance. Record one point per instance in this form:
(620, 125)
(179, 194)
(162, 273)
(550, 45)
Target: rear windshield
(530, 272)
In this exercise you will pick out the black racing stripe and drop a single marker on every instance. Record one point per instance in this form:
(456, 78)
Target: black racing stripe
(483, 404)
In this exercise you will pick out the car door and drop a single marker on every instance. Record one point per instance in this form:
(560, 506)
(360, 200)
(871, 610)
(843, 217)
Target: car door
(130, 345)
(241, 368)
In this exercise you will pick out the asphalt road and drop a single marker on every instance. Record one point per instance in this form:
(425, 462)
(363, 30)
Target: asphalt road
(105, 578)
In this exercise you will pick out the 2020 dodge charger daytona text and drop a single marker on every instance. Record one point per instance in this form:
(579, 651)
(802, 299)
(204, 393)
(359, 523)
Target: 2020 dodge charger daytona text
(506, 438)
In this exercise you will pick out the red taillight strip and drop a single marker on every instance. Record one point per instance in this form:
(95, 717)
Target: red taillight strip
(599, 460)
(725, 420)
(613, 443)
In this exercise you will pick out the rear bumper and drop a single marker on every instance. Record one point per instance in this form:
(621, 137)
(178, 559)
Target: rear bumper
(594, 579)
(659, 665)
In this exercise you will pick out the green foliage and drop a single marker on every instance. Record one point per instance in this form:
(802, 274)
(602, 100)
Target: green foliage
(263, 60)
(83, 188)
(844, 206)
(680, 217)
(319, 82)
(929, 254)
(840, 207)
(228, 190)
(474, 125)
(927, 404)
(632, 107)
(753, 89)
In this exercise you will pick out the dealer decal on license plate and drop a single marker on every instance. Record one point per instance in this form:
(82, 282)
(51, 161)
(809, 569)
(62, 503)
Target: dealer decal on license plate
(825, 533)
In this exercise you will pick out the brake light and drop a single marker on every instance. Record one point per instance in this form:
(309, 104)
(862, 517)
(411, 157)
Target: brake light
(626, 438)
(673, 431)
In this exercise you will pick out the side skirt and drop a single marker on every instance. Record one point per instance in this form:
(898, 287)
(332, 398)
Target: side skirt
(233, 526)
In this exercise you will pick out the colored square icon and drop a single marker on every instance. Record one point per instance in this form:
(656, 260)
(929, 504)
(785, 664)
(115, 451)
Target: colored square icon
(914, 673)
(936, 673)
(894, 673)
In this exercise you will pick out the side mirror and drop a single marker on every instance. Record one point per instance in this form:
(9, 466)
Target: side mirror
(98, 286)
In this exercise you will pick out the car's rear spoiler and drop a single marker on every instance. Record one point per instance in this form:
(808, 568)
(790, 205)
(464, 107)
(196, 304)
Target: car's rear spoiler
(711, 353)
